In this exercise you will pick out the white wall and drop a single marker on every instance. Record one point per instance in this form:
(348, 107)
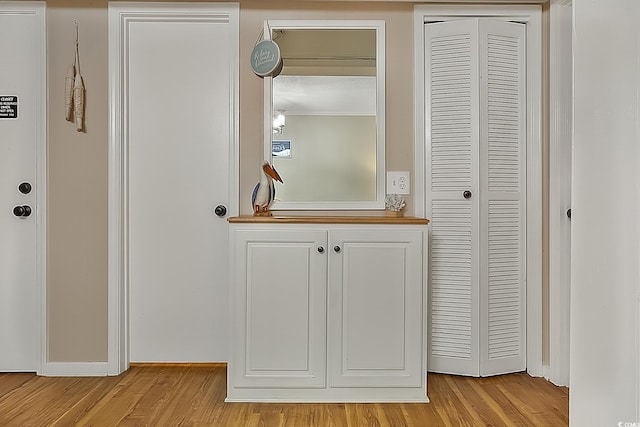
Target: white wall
(606, 214)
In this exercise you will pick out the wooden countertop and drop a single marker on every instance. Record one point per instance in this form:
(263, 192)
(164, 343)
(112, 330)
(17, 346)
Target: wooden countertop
(249, 219)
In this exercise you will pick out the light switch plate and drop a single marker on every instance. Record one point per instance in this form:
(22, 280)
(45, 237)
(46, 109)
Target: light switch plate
(398, 182)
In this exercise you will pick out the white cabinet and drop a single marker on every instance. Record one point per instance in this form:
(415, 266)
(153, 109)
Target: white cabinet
(327, 312)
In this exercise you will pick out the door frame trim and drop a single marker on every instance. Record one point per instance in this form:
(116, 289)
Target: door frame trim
(531, 16)
(41, 191)
(121, 14)
(560, 159)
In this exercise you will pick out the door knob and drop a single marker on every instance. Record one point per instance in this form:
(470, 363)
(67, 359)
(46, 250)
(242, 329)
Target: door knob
(24, 188)
(220, 210)
(336, 248)
(569, 213)
(466, 194)
(321, 249)
(22, 211)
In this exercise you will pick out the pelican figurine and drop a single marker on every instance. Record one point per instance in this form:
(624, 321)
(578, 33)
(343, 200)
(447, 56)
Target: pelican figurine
(264, 192)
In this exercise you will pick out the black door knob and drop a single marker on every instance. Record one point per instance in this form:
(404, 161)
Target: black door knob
(321, 249)
(24, 188)
(569, 213)
(22, 211)
(220, 210)
(466, 194)
(336, 248)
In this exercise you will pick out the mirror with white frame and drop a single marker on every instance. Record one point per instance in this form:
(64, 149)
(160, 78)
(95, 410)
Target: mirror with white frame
(325, 115)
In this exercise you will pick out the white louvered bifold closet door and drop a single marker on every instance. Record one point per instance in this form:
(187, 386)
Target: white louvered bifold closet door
(475, 120)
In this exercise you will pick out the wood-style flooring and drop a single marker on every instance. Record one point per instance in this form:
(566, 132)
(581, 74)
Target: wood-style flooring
(193, 395)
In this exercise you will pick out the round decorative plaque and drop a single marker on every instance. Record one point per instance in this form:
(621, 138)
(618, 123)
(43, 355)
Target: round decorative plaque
(265, 59)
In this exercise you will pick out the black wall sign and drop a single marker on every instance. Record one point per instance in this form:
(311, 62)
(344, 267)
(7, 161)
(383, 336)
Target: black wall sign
(8, 107)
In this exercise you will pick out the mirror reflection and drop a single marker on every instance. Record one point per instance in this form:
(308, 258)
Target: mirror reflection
(325, 124)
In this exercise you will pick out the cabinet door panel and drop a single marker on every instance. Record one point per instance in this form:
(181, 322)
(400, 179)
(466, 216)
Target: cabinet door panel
(375, 321)
(280, 309)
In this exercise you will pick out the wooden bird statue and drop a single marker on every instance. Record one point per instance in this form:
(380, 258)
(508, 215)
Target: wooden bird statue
(264, 193)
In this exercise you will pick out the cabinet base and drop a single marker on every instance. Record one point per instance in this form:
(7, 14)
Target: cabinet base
(360, 395)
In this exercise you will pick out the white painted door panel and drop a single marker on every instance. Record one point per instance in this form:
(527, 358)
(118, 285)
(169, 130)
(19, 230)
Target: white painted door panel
(21, 76)
(280, 300)
(503, 188)
(375, 300)
(179, 100)
(452, 153)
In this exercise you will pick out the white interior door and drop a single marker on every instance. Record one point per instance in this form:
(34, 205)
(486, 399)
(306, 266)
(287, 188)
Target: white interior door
(475, 141)
(178, 101)
(21, 131)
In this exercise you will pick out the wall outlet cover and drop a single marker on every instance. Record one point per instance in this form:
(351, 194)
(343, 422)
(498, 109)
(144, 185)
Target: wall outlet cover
(398, 182)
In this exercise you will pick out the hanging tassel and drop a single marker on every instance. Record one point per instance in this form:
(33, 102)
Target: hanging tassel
(78, 102)
(78, 90)
(68, 93)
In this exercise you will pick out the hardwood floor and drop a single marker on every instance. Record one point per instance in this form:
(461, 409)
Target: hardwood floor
(193, 395)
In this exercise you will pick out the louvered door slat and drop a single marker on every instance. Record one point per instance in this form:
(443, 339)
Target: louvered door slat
(451, 332)
(504, 96)
(451, 111)
(504, 280)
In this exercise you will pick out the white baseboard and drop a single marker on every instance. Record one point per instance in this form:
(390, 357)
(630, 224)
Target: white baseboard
(75, 369)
